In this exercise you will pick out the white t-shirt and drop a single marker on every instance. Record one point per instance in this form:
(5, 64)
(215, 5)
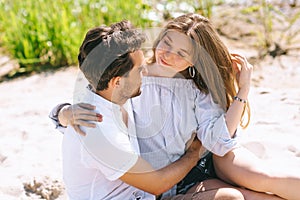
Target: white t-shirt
(93, 164)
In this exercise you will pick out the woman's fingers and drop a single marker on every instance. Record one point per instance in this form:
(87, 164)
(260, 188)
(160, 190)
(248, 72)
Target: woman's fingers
(78, 109)
(237, 55)
(78, 130)
(87, 106)
(88, 117)
(84, 114)
(84, 117)
(236, 63)
(235, 66)
(236, 58)
(239, 60)
(243, 76)
(81, 114)
(85, 120)
(85, 123)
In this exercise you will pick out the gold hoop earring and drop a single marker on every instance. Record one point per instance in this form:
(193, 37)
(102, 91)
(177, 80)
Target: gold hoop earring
(192, 71)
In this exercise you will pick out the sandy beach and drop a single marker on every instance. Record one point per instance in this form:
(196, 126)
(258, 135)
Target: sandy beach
(30, 147)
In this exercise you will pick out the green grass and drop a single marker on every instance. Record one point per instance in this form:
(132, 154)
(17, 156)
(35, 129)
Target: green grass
(46, 33)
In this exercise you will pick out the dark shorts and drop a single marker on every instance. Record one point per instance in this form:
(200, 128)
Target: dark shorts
(204, 170)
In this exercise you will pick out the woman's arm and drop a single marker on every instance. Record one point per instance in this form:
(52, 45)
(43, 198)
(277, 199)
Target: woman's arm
(234, 112)
(53, 115)
(212, 129)
(216, 127)
(76, 115)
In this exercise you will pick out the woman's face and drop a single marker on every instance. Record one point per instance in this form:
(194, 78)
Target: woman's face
(174, 51)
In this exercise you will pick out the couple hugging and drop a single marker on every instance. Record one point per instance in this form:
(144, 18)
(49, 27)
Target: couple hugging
(163, 128)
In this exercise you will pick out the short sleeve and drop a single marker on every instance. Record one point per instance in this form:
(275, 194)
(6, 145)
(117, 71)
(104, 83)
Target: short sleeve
(212, 129)
(109, 150)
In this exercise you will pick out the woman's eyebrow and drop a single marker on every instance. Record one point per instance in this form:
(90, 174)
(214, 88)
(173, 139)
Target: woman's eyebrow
(185, 51)
(169, 38)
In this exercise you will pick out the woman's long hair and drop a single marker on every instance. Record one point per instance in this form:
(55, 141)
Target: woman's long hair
(211, 59)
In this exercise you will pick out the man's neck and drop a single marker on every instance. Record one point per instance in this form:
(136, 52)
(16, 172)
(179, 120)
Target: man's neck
(124, 115)
(107, 94)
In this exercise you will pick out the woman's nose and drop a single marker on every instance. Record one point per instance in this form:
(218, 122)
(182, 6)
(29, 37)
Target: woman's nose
(168, 53)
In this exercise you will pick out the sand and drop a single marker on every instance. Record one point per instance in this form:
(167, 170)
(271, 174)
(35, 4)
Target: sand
(30, 148)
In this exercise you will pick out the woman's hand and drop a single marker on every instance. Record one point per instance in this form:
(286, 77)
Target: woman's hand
(80, 114)
(243, 70)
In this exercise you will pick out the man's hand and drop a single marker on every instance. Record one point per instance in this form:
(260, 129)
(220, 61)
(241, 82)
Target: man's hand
(79, 115)
(195, 149)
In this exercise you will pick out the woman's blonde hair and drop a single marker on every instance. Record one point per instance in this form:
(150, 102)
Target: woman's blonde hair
(211, 59)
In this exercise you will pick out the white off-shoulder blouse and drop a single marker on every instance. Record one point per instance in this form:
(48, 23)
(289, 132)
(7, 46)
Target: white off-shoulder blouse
(168, 112)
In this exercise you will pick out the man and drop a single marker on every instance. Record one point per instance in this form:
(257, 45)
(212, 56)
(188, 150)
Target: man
(105, 163)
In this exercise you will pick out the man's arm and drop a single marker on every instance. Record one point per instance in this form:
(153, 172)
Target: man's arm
(144, 177)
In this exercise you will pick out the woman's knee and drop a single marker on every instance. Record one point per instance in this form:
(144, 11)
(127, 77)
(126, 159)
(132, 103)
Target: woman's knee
(229, 194)
(218, 194)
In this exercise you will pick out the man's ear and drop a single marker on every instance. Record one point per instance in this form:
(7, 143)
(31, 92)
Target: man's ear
(115, 82)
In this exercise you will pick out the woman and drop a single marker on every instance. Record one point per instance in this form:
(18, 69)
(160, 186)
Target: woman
(197, 76)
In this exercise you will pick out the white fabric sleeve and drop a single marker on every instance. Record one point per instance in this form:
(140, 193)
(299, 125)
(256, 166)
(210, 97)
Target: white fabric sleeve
(108, 150)
(53, 115)
(212, 129)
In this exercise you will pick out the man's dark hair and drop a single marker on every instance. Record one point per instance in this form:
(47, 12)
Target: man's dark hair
(105, 52)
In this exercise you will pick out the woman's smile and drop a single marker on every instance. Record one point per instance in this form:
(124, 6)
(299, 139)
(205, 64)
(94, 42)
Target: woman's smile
(174, 51)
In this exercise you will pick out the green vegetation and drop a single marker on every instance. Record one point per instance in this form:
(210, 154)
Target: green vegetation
(42, 34)
(279, 28)
(46, 33)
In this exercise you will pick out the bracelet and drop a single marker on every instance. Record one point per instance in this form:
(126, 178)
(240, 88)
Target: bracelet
(239, 99)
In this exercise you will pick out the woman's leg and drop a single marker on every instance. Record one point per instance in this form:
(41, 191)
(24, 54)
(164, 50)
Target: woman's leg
(215, 189)
(209, 191)
(243, 168)
(224, 190)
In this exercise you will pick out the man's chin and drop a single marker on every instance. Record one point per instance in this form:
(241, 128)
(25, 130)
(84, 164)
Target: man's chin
(138, 93)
